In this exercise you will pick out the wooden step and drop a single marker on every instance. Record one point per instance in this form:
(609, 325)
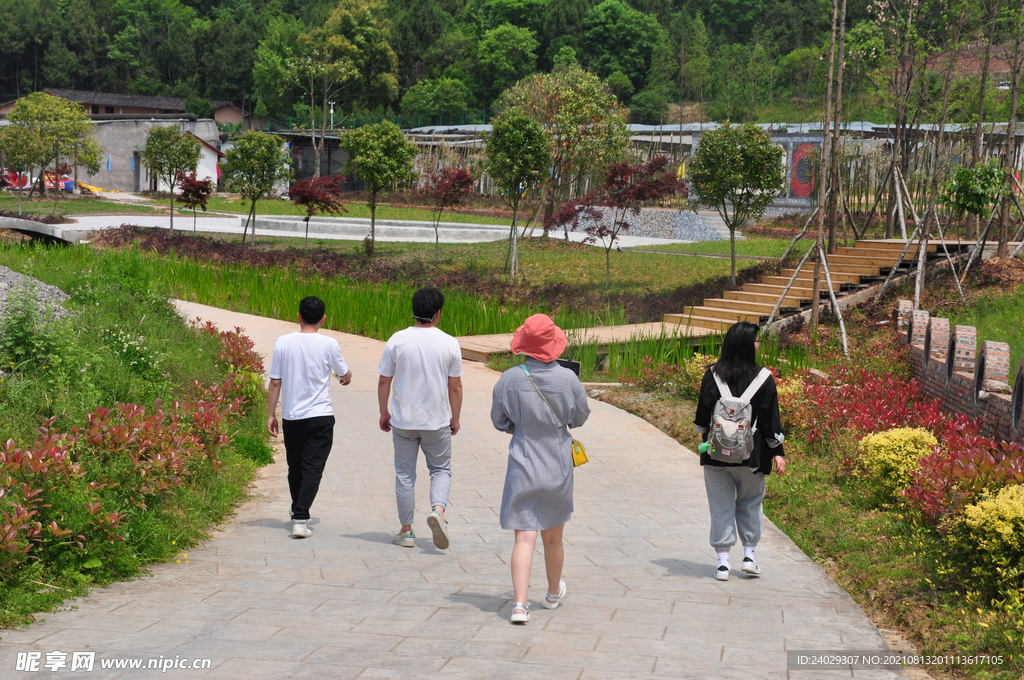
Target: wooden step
(835, 267)
(895, 244)
(791, 301)
(689, 321)
(843, 262)
(760, 308)
(802, 284)
(883, 253)
(808, 274)
(775, 290)
(725, 314)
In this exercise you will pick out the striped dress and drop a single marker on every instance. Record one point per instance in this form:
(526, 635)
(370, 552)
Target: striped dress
(538, 481)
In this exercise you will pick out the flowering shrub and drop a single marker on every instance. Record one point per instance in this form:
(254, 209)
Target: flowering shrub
(890, 457)
(864, 401)
(988, 538)
(238, 355)
(959, 471)
(793, 403)
(69, 498)
(134, 354)
(682, 380)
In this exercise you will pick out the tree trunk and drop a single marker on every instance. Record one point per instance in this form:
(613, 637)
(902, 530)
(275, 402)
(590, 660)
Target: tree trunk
(514, 267)
(1009, 160)
(837, 117)
(172, 206)
(972, 220)
(373, 219)
(732, 256)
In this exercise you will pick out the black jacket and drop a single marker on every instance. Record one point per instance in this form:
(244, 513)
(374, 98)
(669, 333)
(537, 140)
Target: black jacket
(765, 404)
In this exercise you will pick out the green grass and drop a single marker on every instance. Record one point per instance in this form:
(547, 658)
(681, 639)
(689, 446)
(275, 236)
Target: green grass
(998, 318)
(374, 310)
(66, 370)
(355, 209)
(542, 261)
(756, 246)
(73, 205)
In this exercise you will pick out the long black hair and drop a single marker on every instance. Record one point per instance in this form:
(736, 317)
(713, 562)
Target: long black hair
(736, 364)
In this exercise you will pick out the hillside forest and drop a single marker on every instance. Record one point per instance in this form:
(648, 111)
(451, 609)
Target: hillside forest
(425, 60)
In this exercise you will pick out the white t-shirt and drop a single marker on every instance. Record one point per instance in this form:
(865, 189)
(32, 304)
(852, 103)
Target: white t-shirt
(303, 363)
(421, 360)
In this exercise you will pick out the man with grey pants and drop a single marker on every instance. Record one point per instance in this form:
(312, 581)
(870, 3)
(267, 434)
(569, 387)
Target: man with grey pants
(422, 365)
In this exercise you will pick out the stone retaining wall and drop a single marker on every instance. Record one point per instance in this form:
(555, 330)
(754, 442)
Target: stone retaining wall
(969, 377)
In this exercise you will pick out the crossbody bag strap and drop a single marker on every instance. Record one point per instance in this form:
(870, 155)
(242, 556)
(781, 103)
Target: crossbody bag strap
(536, 387)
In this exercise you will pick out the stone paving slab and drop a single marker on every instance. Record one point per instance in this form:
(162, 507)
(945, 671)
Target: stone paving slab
(347, 604)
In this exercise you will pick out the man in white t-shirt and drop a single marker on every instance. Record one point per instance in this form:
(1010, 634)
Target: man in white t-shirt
(300, 376)
(424, 366)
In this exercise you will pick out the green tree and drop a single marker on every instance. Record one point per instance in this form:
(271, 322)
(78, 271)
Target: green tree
(617, 37)
(584, 123)
(62, 130)
(517, 160)
(802, 68)
(22, 150)
(380, 156)
(506, 54)
(446, 97)
(522, 13)
(695, 65)
(736, 170)
(275, 87)
(254, 167)
(170, 153)
(415, 26)
(563, 22)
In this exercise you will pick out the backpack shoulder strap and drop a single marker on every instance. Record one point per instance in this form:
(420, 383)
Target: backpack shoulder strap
(756, 384)
(723, 388)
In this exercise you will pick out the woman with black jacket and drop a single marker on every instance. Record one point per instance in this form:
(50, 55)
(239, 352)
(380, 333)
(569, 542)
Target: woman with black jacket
(736, 490)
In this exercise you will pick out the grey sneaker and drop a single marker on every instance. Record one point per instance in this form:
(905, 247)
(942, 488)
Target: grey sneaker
(520, 612)
(749, 566)
(300, 530)
(722, 573)
(406, 540)
(439, 526)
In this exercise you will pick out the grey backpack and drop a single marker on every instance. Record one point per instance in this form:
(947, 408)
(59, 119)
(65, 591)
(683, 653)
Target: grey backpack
(731, 437)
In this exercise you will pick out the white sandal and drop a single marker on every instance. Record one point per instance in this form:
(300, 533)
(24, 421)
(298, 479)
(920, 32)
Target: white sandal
(520, 612)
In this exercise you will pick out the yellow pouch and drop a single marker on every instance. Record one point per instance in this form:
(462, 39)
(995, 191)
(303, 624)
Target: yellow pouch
(579, 454)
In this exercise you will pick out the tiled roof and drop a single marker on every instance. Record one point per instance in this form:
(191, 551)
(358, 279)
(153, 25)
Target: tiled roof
(171, 104)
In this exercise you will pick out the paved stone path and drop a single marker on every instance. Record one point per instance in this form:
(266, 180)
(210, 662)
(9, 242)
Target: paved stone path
(347, 604)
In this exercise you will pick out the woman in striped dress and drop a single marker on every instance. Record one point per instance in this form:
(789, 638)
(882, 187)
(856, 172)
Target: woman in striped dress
(535, 403)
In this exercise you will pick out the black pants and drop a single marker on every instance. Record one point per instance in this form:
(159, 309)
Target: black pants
(307, 443)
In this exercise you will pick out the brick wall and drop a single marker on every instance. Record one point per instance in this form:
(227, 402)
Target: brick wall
(969, 377)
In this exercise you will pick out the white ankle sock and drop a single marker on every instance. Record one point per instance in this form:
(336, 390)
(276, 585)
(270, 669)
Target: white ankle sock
(723, 559)
(748, 551)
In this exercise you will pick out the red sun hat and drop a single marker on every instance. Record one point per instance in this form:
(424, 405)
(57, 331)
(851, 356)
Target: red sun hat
(539, 338)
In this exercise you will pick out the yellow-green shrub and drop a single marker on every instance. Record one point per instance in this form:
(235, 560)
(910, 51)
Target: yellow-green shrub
(890, 457)
(792, 403)
(989, 539)
(693, 370)
(996, 524)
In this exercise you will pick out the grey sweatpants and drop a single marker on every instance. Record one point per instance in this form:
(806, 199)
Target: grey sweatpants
(734, 498)
(437, 450)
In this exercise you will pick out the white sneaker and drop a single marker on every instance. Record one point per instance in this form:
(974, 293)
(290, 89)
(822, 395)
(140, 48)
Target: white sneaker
(406, 540)
(552, 601)
(520, 613)
(722, 573)
(749, 566)
(300, 530)
(439, 527)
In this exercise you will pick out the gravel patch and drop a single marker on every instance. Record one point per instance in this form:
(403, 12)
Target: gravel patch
(683, 225)
(49, 297)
